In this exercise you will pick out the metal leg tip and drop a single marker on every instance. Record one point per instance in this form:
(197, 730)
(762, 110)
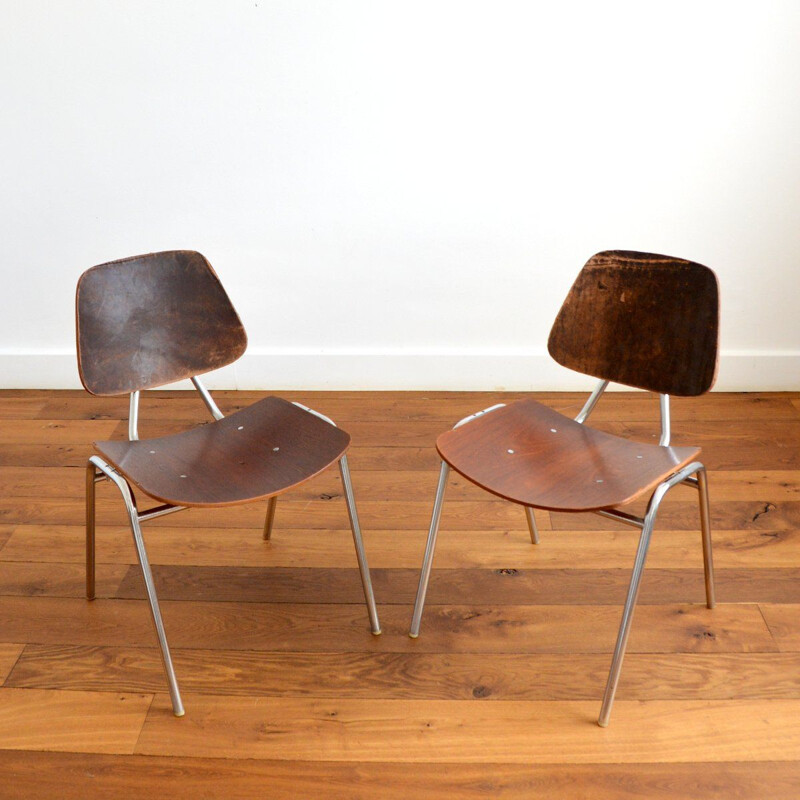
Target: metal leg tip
(413, 635)
(602, 724)
(178, 712)
(377, 632)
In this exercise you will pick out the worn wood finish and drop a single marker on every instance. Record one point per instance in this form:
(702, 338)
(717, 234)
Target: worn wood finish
(512, 626)
(530, 454)
(260, 451)
(153, 319)
(643, 320)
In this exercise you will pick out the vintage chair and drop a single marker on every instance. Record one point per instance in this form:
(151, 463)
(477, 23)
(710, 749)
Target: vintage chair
(154, 319)
(644, 320)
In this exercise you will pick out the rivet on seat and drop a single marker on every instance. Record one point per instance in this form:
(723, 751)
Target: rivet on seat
(553, 430)
(511, 451)
(240, 428)
(275, 449)
(183, 476)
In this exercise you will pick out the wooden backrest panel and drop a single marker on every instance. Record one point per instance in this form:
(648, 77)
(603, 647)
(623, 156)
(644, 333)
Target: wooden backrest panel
(153, 319)
(642, 320)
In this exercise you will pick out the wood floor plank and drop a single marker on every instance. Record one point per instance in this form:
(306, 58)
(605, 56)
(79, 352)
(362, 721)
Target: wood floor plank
(9, 655)
(492, 549)
(68, 776)
(443, 730)
(446, 628)
(764, 486)
(94, 722)
(443, 676)
(330, 513)
(397, 586)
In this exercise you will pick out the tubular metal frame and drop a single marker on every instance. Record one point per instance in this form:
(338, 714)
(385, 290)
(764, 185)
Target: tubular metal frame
(97, 469)
(686, 476)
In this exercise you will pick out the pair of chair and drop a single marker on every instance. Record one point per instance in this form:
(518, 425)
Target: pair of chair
(640, 319)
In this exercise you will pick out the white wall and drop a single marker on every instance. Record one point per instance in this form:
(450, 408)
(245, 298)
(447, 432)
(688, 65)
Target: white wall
(399, 194)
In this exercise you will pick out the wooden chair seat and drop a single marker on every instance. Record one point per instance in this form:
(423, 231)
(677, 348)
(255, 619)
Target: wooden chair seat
(530, 454)
(255, 453)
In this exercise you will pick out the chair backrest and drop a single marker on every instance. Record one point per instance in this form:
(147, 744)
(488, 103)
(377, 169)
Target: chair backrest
(641, 319)
(153, 319)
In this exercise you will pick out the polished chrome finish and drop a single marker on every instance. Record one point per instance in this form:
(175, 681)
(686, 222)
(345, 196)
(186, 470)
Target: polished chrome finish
(427, 561)
(621, 516)
(589, 405)
(133, 417)
(270, 518)
(477, 414)
(133, 516)
(665, 432)
(159, 511)
(315, 413)
(633, 589)
(705, 524)
(91, 480)
(360, 554)
(532, 525)
(207, 398)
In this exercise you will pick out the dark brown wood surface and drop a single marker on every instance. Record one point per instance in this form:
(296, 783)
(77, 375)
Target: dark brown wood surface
(258, 452)
(288, 694)
(641, 319)
(153, 319)
(530, 454)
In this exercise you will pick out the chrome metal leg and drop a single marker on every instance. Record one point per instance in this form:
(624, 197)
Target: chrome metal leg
(427, 561)
(625, 624)
(363, 567)
(133, 515)
(91, 472)
(532, 525)
(633, 588)
(705, 524)
(270, 518)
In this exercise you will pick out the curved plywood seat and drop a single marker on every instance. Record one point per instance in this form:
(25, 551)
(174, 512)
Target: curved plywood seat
(530, 454)
(258, 452)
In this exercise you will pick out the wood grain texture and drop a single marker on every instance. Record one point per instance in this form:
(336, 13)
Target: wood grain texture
(447, 628)
(67, 776)
(420, 676)
(93, 722)
(530, 454)
(516, 634)
(153, 319)
(504, 586)
(456, 549)
(66, 482)
(446, 730)
(643, 320)
(261, 451)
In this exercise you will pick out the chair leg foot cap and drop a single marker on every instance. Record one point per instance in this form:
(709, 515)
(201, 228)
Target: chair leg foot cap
(179, 713)
(413, 635)
(377, 632)
(602, 724)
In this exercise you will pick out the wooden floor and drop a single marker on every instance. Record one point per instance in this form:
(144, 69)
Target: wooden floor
(289, 696)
